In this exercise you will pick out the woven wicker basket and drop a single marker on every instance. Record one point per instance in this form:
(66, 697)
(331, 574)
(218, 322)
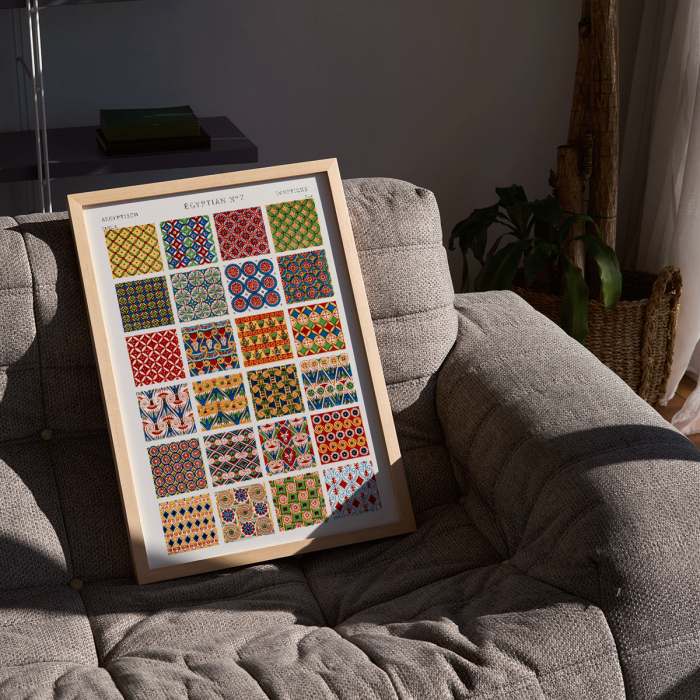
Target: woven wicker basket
(636, 338)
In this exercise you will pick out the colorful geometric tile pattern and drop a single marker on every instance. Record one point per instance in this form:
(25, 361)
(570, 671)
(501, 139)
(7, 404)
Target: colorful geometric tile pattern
(133, 251)
(233, 456)
(340, 435)
(317, 328)
(221, 401)
(188, 242)
(286, 446)
(144, 304)
(305, 276)
(352, 489)
(328, 382)
(298, 501)
(241, 233)
(244, 512)
(166, 412)
(155, 357)
(264, 338)
(294, 225)
(210, 347)
(199, 294)
(275, 392)
(253, 285)
(188, 523)
(177, 467)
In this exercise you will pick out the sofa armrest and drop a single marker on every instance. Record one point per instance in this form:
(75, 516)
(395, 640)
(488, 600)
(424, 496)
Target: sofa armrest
(569, 474)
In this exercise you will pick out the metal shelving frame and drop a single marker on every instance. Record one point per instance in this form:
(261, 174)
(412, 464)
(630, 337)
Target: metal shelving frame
(75, 150)
(35, 74)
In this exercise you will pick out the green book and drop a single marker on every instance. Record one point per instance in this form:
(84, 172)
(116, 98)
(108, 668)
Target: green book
(163, 123)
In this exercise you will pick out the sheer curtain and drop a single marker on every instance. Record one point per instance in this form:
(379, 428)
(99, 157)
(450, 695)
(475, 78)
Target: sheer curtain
(660, 172)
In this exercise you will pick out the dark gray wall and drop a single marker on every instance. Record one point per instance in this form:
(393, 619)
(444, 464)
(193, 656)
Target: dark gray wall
(454, 95)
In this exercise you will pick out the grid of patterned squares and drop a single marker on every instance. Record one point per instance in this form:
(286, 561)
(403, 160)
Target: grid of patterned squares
(283, 449)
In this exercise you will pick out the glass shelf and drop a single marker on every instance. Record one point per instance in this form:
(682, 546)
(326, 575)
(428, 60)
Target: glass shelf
(74, 152)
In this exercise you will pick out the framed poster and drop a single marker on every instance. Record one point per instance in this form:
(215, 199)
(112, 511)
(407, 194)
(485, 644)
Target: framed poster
(242, 383)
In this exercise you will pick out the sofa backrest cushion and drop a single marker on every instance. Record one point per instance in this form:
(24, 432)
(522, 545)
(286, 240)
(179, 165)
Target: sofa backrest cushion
(404, 265)
(53, 433)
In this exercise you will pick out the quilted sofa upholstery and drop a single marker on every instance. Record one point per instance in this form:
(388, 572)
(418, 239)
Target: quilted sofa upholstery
(557, 549)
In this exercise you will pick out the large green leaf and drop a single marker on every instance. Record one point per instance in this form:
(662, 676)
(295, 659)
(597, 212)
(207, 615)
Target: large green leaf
(464, 247)
(510, 196)
(519, 215)
(548, 210)
(514, 201)
(608, 268)
(470, 232)
(479, 220)
(537, 257)
(487, 264)
(505, 220)
(574, 310)
(563, 232)
(504, 265)
(479, 246)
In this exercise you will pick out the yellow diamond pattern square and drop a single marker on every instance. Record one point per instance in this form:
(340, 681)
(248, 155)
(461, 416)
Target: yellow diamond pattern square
(133, 250)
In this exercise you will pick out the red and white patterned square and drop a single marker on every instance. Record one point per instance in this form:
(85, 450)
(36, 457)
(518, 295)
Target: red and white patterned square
(241, 233)
(155, 357)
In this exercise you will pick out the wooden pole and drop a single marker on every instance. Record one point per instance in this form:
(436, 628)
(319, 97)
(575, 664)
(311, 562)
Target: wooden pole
(594, 128)
(570, 194)
(604, 122)
(580, 121)
(571, 162)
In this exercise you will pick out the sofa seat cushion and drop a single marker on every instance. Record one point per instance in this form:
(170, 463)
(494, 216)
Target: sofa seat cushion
(351, 579)
(490, 632)
(486, 632)
(443, 615)
(46, 647)
(44, 625)
(57, 681)
(225, 634)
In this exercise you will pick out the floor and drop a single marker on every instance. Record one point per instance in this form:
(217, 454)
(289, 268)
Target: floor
(676, 403)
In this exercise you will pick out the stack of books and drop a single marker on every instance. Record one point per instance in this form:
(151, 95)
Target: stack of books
(128, 131)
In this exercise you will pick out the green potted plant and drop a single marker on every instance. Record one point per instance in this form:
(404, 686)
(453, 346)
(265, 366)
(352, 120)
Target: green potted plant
(541, 234)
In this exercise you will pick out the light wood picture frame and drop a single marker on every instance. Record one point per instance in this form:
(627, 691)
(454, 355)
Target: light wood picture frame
(241, 378)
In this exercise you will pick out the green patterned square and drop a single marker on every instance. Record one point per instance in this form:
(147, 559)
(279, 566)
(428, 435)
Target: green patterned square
(294, 225)
(298, 501)
(275, 392)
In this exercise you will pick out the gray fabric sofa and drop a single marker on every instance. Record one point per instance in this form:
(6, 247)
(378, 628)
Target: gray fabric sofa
(558, 544)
